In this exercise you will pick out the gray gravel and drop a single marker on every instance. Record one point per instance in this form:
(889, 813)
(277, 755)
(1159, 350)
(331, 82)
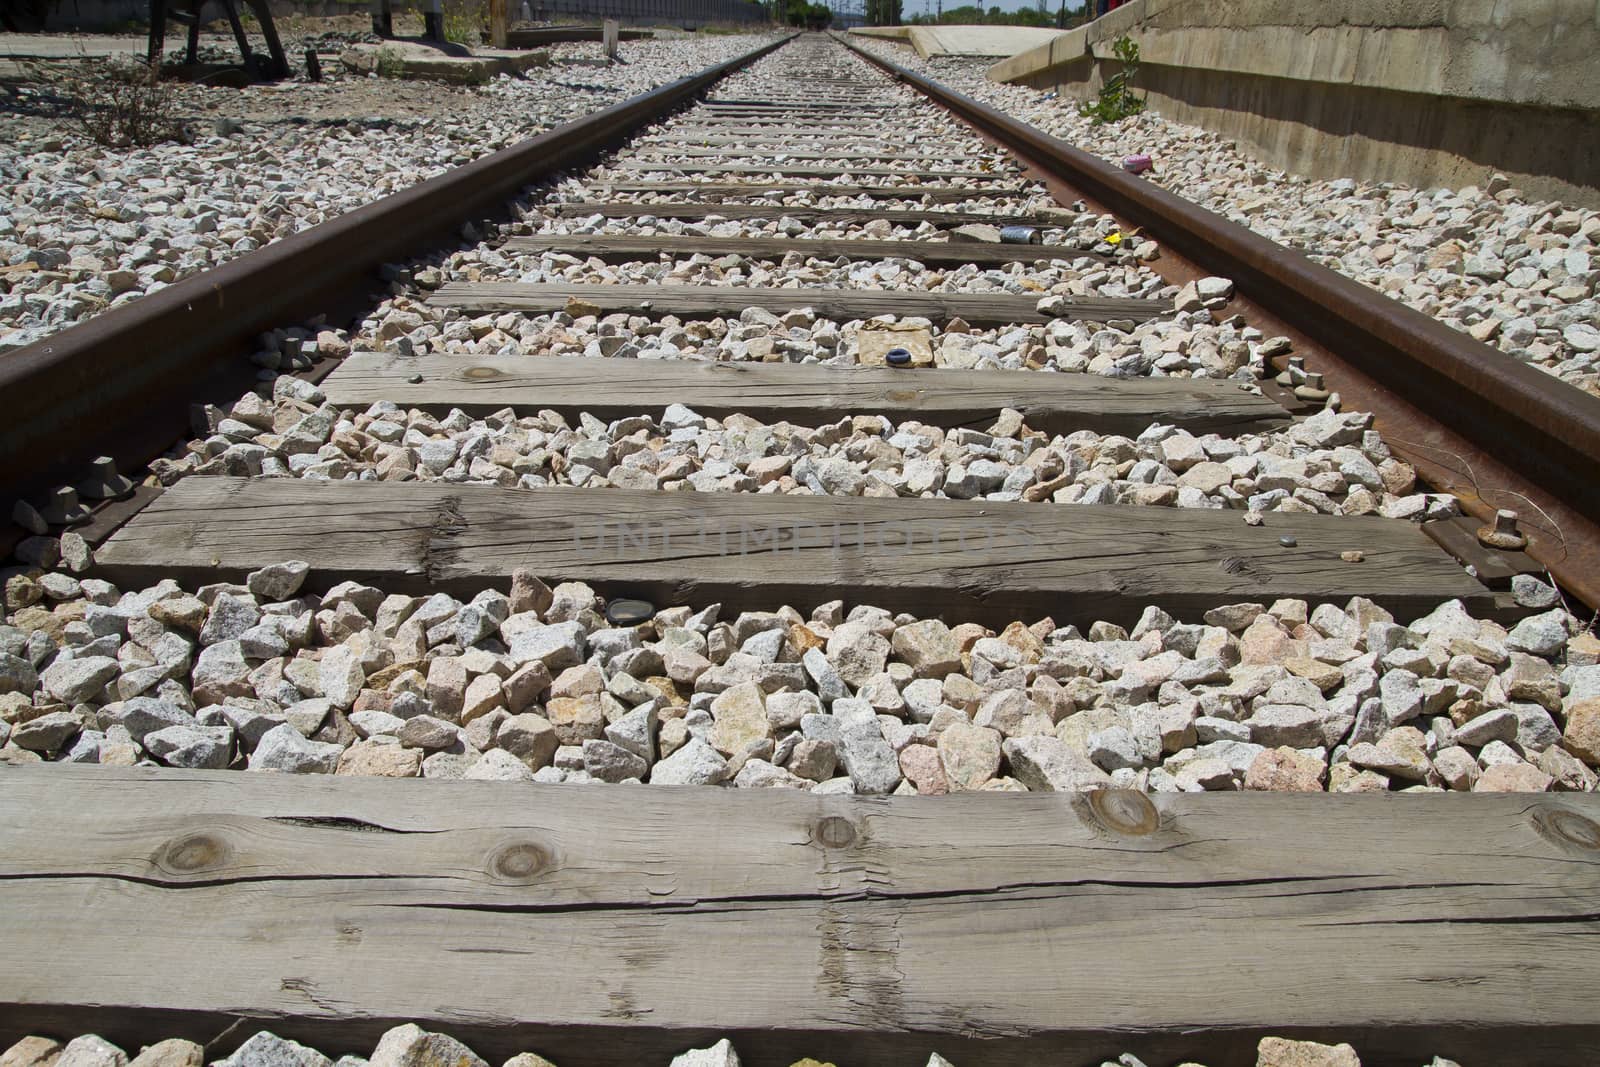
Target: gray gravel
(1331, 463)
(533, 684)
(409, 1046)
(1520, 274)
(105, 226)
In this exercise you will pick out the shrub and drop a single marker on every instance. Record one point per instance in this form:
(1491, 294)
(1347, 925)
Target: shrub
(121, 103)
(464, 21)
(1116, 101)
(389, 64)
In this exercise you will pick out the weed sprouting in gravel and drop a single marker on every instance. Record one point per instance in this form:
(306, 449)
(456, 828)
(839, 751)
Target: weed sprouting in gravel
(121, 104)
(389, 64)
(464, 21)
(1116, 100)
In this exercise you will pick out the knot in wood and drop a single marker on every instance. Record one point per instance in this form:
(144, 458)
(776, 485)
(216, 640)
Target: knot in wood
(835, 831)
(479, 374)
(519, 862)
(1125, 811)
(193, 852)
(1567, 828)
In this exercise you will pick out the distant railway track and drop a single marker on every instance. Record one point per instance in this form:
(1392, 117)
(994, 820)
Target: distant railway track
(608, 926)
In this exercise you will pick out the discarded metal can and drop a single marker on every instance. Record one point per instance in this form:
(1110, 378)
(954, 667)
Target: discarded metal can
(898, 357)
(1019, 235)
(1137, 164)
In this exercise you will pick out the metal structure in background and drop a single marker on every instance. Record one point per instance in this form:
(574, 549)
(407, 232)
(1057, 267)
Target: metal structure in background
(689, 14)
(848, 14)
(189, 13)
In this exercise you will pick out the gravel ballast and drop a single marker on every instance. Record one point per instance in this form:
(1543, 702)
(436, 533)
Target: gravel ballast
(288, 672)
(1517, 273)
(1331, 463)
(410, 1045)
(532, 683)
(104, 226)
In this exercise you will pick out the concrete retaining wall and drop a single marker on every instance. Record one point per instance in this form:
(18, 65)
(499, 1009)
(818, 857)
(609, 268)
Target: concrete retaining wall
(1429, 92)
(890, 33)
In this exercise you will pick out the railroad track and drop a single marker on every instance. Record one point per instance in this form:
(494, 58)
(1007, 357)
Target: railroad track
(977, 517)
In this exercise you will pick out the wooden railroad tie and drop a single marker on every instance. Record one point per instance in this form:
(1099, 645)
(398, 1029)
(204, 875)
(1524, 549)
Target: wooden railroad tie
(795, 104)
(821, 216)
(829, 129)
(979, 561)
(801, 170)
(935, 193)
(801, 111)
(800, 393)
(702, 301)
(607, 926)
(804, 146)
(741, 149)
(615, 249)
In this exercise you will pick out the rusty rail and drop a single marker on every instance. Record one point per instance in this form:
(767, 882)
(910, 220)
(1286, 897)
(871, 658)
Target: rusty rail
(122, 383)
(1494, 432)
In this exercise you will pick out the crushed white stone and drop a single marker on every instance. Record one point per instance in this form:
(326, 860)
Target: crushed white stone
(1279, 696)
(409, 1045)
(106, 226)
(1517, 273)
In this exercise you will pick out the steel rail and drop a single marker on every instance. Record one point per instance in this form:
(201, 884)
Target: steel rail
(122, 383)
(1473, 421)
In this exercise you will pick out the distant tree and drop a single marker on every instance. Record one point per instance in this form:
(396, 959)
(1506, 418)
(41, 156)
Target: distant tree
(972, 15)
(805, 15)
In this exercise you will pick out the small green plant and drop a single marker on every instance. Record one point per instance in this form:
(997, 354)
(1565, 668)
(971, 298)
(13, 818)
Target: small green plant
(1116, 101)
(121, 103)
(464, 21)
(387, 63)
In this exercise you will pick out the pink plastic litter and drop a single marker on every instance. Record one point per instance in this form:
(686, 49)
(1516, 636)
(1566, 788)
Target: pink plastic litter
(1137, 164)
